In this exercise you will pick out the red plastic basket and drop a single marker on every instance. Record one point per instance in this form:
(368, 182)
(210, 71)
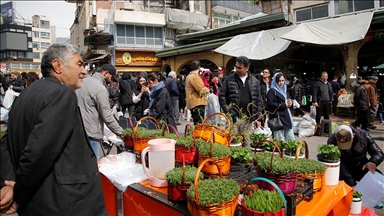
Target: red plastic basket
(190, 154)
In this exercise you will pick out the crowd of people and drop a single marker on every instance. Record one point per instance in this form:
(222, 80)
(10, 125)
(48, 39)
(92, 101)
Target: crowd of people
(56, 125)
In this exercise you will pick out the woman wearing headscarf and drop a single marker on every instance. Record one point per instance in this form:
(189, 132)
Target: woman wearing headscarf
(160, 105)
(141, 96)
(277, 99)
(207, 80)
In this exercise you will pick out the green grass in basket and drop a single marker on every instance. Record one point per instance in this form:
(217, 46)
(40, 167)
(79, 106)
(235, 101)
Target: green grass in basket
(218, 150)
(264, 201)
(214, 191)
(175, 175)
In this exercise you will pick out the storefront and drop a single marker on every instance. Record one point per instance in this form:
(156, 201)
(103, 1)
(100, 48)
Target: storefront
(137, 61)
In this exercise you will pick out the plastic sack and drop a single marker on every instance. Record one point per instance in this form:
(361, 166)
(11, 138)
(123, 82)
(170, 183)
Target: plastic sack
(122, 170)
(313, 111)
(213, 106)
(343, 79)
(295, 104)
(9, 97)
(307, 126)
(4, 115)
(262, 130)
(296, 127)
(372, 188)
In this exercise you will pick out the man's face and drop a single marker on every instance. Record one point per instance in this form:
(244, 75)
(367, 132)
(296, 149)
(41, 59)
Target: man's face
(266, 73)
(241, 70)
(372, 81)
(13, 76)
(73, 73)
(324, 77)
(108, 77)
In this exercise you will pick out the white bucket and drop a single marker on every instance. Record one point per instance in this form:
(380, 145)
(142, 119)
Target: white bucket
(372, 188)
(355, 206)
(331, 176)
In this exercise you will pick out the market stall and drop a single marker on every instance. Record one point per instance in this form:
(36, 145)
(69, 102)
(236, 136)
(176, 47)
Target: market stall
(306, 187)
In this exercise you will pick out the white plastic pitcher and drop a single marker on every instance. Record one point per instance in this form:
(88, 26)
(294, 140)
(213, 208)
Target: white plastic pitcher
(372, 188)
(161, 158)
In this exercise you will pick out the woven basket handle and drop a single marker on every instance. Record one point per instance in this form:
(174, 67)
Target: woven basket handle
(271, 183)
(211, 144)
(196, 182)
(174, 130)
(233, 137)
(189, 127)
(184, 170)
(299, 149)
(222, 114)
(275, 146)
(165, 128)
(139, 122)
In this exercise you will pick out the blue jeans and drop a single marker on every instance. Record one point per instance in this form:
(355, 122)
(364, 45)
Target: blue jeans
(96, 147)
(284, 135)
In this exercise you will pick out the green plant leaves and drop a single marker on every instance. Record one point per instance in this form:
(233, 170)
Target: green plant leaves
(175, 175)
(241, 154)
(218, 150)
(307, 166)
(279, 165)
(328, 152)
(214, 191)
(264, 201)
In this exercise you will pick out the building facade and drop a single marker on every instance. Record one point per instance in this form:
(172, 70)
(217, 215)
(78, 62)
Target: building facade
(43, 35)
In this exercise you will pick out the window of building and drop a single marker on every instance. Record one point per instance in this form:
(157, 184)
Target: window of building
(197, 6)
(36, 55)
(139, 36)
(221, 19)
(35, 34)
(249, 1)
(347, 6)
(44, 24)
(20, 55)
(45, 44)
(45, 34)
(381, 3)
(36, 45)
(30, 45)
(312, 13)
(29, 55)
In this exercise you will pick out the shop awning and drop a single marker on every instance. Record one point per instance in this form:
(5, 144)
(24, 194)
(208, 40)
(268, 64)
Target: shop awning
(257, 45)
(379, 66)
(333, 31)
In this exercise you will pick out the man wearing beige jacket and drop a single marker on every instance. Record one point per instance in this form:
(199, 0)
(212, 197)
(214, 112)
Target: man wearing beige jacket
(196, 93)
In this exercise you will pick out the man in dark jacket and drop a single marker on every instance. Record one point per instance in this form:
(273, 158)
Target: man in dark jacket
(322, 97)
(360, 100)
(173, 91)
(354, 144)
(126, 94)
(243, 91)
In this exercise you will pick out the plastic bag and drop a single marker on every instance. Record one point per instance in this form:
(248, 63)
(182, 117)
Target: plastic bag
(213, 106)
(296, 127)
(262, 130)
(9, 97)
(122, 170)
(343, 79)
(313, 111)
(372, 188)
(4, 115)
(307, 126)
(304, 100)
(295, 104)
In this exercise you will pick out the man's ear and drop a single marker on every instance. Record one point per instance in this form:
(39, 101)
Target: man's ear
(56, 65)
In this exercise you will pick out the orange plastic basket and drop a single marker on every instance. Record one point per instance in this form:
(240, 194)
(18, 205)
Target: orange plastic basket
(203, 131)
(222, 209)
(140, 143)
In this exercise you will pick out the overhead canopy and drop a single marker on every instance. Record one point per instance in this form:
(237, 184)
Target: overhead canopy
(181, 19)
(257, 45)
(379, 66)
(333, 31)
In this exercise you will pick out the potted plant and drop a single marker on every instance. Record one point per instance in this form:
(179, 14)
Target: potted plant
(219, 153)
(312, 170)
(263, 202)
(204, 197)
(329, 155)
(282, 171)
(142, 136)
(241, 155)
(179, 180)
(255, 138)
(186, 146)
(290, 149)
(236, 138)
(356, 203)
(128, 137)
